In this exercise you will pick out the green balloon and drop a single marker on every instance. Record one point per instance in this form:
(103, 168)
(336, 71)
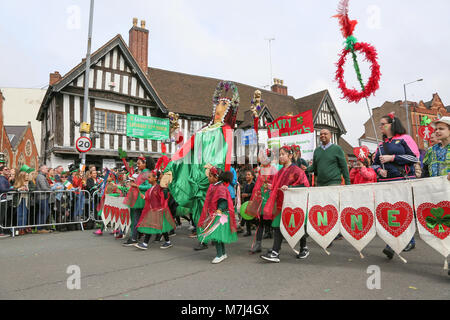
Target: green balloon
(243, 214)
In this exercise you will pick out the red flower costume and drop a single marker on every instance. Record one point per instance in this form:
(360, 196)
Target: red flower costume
(261, 191)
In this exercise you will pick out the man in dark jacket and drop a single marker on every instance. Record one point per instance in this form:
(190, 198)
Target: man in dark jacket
(4, 188)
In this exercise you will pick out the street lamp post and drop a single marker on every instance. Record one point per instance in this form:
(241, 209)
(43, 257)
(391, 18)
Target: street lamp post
(406, 104)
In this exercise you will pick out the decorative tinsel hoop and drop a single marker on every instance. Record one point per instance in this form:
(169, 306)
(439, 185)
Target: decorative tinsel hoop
(352, 46)
(353, 95)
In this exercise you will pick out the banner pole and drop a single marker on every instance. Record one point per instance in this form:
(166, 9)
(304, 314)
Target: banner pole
(374, 129)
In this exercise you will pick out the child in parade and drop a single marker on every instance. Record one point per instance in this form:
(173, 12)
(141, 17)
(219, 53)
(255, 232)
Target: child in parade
(156, 217)
(290, 175)
(111, 189)
(260, 195)
(135, 196)
(362, 173)
(218, 222)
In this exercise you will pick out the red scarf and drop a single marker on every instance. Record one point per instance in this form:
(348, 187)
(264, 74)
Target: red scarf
(216, 192)
(290, 176)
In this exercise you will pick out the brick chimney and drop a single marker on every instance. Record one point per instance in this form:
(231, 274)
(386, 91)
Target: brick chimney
(279, 87)
(138, 44)
(55, 77)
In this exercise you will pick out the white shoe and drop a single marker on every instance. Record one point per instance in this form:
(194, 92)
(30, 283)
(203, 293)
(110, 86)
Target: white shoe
(219, 259)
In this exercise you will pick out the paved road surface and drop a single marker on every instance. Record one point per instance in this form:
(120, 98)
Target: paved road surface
(34, 267)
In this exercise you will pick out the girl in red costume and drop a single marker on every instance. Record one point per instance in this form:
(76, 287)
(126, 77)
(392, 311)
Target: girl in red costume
(260, 195)
(217, 222)
(156, 217)
(289, 176)
(362, 173)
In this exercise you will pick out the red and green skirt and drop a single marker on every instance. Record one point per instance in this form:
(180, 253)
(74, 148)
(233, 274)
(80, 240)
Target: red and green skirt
(216, 230)
(156, 222)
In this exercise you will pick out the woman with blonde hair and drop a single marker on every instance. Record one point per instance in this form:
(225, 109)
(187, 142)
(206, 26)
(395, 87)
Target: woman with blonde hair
(21, 185)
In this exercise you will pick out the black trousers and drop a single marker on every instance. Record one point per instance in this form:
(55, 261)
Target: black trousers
(262, 225)
(278, 239)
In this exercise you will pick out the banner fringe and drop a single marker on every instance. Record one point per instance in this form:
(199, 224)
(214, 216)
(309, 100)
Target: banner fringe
(361, 255)
(446, 264)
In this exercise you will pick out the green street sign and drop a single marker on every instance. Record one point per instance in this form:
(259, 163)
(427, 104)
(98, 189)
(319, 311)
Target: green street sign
(147, 127)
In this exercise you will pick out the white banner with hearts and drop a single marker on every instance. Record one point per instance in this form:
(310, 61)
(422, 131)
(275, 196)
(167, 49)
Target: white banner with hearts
(392, 205)
(323, 215)
(357, 218)
(116, 213)
(293, 215)
(433, 214)
(394, 214)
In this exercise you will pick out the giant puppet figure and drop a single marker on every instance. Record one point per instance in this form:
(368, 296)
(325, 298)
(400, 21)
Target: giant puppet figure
(210, 147)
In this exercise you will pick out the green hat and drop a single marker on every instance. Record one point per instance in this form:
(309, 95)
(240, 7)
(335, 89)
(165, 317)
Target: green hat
(26, 169)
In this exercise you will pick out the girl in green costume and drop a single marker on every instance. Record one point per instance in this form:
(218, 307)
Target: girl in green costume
(218, 221)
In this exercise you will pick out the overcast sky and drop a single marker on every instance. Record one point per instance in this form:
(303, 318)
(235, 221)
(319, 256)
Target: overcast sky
(227, 40)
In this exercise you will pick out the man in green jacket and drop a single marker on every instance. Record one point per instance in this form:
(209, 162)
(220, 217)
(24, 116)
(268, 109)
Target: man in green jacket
(329, 164)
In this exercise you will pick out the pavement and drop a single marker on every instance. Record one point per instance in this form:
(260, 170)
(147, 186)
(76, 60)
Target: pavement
(39, 267)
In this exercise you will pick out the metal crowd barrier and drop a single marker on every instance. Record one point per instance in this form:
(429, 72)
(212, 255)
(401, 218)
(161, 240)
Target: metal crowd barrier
(38, 209)
(96, 198)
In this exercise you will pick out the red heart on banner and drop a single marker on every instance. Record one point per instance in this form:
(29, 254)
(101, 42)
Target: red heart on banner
(395, 218)
(293, 220)
(361, 152)
(328, 218)
(357, 222)
(429, 210)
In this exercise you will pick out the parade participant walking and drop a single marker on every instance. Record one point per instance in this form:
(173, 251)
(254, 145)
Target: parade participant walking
(396, 156)
(260, 195)
(217, 222)
(246, 194)
(211, 146)
(135, 196)
(113, 190)
(298, 160)
(329, 165)
(362, 173)
(289, 176)
(437, 159)
(156, 217)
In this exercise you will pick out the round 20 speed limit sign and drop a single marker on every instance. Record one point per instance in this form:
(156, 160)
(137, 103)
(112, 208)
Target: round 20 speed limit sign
(84, 144)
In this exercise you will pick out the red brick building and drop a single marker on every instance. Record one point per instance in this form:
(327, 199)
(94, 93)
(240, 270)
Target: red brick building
(433, 109)
(17, 143)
